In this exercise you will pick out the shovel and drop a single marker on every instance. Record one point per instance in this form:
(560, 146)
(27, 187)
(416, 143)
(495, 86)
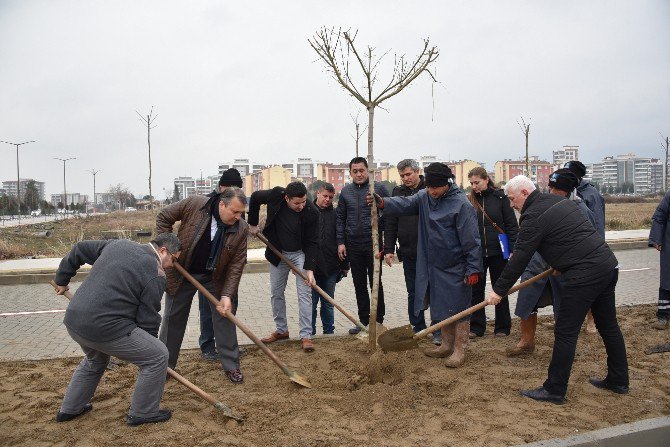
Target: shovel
(403, 338)
(319, 290)
(227, 411)
(295, 377)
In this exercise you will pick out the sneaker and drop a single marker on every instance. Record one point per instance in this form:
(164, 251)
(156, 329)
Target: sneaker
(661, 324)
(307, 345)
(64, 417)
(235, 376)
(162, 416)
(275, 336)
(211, 356)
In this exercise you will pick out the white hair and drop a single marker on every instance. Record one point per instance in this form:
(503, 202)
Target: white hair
(518, 183)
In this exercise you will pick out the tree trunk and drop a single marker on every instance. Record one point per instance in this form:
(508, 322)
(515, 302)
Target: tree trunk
(151, 201)
(374, 298)
(358, 136)
(527, 159)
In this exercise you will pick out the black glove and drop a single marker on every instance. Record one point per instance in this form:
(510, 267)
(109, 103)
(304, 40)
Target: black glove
(379, 200)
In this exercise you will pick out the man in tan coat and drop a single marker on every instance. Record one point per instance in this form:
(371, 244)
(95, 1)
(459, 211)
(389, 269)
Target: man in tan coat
(214, 251)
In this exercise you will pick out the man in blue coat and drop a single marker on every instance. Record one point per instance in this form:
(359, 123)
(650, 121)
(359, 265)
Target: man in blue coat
(449, 255)
(660, 232)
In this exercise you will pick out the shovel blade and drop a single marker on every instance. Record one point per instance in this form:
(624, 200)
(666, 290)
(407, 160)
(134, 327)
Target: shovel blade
(298, 379)
(398, 339)
(228, 412)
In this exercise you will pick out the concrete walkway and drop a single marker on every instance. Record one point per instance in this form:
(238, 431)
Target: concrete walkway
(31, 315)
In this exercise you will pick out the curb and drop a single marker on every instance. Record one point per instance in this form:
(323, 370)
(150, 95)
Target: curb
(41, 276)
(647, 432)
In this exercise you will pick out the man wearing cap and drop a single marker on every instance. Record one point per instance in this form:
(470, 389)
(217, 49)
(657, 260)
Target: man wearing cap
(449, 255)
(592, 198)
(556, 228)
(229, 177)
(546, 291)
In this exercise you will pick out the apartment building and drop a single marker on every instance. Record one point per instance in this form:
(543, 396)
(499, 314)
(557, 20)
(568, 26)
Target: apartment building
(540, 170)
(10, 187)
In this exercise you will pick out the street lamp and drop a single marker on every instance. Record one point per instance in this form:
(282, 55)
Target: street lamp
(64, 189)
(95, 199)
(18, 177)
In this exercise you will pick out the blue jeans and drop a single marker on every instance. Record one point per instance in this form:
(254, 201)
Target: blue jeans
(327, 283)
(409, 268)
(206, 339)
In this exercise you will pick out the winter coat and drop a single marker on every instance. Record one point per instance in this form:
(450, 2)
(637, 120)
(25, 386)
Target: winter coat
(195, 215)
(590, 195)
(327, 260)
(497, 206)
(659, 234)
(557, 228)
(448, 249)
(546, 291)
(309, 224)
(353, 216)
(403, 229)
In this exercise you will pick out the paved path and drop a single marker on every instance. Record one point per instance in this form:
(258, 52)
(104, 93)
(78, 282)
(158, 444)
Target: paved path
(31, 316)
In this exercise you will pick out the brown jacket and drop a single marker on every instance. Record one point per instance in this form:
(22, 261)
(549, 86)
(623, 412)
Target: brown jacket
(194, 214)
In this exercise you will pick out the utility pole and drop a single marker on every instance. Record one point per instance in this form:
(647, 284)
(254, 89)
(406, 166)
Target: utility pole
(95, 199)
(18, 177)
(64, 188)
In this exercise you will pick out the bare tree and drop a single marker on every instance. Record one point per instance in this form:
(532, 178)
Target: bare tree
(148, 122)
(525, 129)
(359, 133)
(335, 48)
(665, 144)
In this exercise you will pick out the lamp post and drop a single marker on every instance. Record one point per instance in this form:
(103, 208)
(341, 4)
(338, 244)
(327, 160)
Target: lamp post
(95, 199)
(64, 189)
(18, 177)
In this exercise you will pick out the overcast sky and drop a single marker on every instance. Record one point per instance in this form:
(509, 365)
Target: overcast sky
(239, 80)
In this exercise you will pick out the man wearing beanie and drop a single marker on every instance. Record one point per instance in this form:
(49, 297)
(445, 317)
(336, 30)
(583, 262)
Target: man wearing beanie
(546, 291)
(592, 198)
(556, 228)
(449, 255)
(229, 177)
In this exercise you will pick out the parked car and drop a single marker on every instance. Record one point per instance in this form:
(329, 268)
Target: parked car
(36, 213)
(130, 208)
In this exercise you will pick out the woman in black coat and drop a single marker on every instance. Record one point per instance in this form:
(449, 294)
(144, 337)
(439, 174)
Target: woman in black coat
(495, 216)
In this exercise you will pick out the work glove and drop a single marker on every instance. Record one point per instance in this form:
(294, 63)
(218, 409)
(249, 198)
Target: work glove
(379, 200)
(472, 279)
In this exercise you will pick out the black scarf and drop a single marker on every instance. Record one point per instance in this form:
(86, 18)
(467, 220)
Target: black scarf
(218, 237)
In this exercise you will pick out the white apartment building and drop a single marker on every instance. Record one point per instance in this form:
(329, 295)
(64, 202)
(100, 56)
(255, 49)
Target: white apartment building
(565, 154)
(10, 187)
(644, 173)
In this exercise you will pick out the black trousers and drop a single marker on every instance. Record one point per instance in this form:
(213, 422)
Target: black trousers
(362, 268)
(576, 300)
(503, 325)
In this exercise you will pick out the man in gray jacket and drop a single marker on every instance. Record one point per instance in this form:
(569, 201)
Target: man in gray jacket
(115, 313)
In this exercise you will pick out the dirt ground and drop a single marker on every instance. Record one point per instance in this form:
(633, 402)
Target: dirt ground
(417, 402)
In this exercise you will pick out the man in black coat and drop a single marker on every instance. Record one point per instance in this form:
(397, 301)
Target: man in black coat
(354, 238)
(405, 230)
(558, 230)
(292, 226)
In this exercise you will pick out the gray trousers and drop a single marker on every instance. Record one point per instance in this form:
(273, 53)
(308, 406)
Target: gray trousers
(139, 348)
(278, 280)
(175, 317)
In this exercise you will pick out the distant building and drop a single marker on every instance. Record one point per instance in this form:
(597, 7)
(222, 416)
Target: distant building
(565, 154)
(460, 169)
(539, 170)
(266, 178)
(243, 165)
(643, 173)
(189, 186)
(75, 197)
(10, 187)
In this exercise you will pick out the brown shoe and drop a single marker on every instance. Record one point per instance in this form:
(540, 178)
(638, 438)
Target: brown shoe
(526, 343)
(235, 376)
(275, 336)
(307, 345)
(518, 351)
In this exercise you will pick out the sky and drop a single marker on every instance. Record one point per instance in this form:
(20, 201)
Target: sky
(239, 80)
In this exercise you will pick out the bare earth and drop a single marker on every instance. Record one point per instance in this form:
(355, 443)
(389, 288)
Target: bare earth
(416, 401)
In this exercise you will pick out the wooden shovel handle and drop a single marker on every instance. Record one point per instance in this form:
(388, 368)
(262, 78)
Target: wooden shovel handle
(231, 317)
(179, 378)
(475, 308)
(319, 290)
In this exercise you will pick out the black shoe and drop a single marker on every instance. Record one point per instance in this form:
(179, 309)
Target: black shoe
(235, 376)
(605, 385)
(162, 416)
(544, 395)
(63, 417)
(354, 330)
(211, 356)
